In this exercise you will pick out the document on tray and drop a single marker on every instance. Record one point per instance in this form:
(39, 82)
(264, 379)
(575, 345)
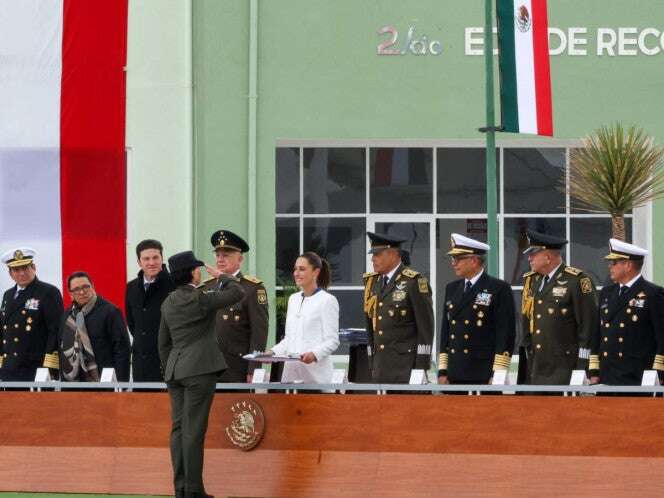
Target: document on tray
(261, 357)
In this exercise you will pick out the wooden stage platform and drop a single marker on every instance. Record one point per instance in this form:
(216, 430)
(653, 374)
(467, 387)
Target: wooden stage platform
(342, 446)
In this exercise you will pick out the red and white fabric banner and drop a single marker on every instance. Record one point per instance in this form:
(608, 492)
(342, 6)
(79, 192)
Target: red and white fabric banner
(62, 138)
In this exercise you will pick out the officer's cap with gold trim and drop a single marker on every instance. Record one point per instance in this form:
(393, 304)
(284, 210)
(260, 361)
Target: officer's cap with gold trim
(465, 245)
(225, 239)
(538, 241)
(622, 250)
(380, 241)
(21, 256)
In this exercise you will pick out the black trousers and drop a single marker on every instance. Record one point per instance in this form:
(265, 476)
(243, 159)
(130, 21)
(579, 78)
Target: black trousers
(191, 400)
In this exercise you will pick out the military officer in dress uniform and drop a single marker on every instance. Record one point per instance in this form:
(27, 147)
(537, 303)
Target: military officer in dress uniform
(559, 311)
(30, 316)
(630, 335)
(399, 314)
(478, 331)
(242, 327)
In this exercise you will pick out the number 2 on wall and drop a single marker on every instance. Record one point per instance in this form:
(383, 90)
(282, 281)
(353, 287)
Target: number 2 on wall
(384, 48)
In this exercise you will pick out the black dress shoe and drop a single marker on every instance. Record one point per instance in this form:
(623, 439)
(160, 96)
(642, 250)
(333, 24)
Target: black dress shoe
(198, 495)
(179, 493)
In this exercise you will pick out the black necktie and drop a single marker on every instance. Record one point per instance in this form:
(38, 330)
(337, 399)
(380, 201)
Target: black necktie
(384, 282)
(146, 285)
(546, 281)
(623, 289)
(17, 293)
(468, 286)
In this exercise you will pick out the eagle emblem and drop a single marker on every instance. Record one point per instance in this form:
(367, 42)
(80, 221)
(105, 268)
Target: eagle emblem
(523, 19)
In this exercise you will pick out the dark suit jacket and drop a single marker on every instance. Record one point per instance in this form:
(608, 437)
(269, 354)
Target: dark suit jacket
(478, 330)
(630, 333)
(187, 339)
(108, 336)
(143, 311)
(30, 329)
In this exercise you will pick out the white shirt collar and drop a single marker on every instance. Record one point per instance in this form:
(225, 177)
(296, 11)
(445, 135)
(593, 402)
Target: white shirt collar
(391, 274)
(631, 282)
(235, 274)
(146, 281)
(474, 280)
(553, 272)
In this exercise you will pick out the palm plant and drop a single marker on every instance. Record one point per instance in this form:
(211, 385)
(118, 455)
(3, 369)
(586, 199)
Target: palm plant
(616, 171)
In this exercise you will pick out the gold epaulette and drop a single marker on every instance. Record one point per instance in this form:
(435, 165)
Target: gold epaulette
(573, 271)
(528, 274)
(51, 360)
(658, 363)
(369, 274)
(410, 273)
(252, 279)
(502, 361)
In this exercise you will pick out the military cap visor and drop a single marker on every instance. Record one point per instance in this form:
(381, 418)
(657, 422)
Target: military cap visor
(227, 240)
(538, 241)
(379, 242)
(15, 258)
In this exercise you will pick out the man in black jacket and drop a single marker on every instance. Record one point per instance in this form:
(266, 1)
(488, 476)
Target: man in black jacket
(92, 335)
(630, 335)
(29, 316)
(479, 323)
(143, 300)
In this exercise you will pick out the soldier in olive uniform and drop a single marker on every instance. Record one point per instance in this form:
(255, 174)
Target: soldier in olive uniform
(478, 331)
(399, 314)
(630, 336)
(242, 327)
(559, 310)
(31, 312)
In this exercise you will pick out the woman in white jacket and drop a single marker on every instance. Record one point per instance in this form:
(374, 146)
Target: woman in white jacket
(312, 323)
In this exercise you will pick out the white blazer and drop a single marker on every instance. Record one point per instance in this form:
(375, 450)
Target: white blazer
(312, 324)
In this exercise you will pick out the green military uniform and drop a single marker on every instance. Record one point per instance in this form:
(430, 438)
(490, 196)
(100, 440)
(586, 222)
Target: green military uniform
(400, 322)
(242, 328)
(191, 360)
(559, 319)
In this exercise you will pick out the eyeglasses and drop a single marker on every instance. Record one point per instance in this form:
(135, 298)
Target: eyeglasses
(80, 288)
(456, 259)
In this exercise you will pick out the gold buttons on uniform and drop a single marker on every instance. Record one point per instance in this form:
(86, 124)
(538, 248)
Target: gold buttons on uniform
(539, 316)
(620, 339)
(380, 304)
(4, 341)
(453, 322)
(16, 325)
(607, 325)
(474, 306)
(539, 301)
(538, 331)
(606, 339)
(466, 322)
(465, 351)
(479, 323)
(628, 310)
(23, 312)
(550, 310)
(452, 351)
(28, 328)
(380, 317)
(538, 346)
(380, 332)
(452, 336)
(634, 318)
(465, 336)
(225, 317)
(15, 339)
(480, 314)
(29, 320)
(606, 311)
(606, 354)
(620, 354)
(382, 346)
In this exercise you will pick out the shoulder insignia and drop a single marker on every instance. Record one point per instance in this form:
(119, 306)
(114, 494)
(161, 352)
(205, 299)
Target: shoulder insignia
(528, 274)
(423, 285)
(586, 285)
(261, 295)
(368, 274)
(573, 271)
(410, 273)
(253, 280)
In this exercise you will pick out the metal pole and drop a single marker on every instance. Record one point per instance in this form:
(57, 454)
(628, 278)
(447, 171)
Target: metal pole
(491, 196)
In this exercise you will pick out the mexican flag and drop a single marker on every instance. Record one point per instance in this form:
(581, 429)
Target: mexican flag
(525, 78)
(62, 138)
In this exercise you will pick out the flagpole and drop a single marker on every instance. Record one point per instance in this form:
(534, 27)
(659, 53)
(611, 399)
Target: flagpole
(490, 130)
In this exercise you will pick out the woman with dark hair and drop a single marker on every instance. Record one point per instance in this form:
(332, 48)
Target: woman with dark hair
(191, 362)
(312, 323)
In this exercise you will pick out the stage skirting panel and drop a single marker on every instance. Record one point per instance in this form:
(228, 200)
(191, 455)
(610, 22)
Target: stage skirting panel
(320, 445)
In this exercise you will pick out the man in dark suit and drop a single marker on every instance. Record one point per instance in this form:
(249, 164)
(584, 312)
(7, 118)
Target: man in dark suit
(143, 300)
(30, 315)
(191, 362)
(242, 327)
(478, 331)
(399, 314)
(559, 312)
(630, 335)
